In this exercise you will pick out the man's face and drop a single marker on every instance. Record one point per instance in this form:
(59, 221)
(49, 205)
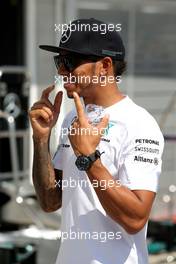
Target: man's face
(79, 77)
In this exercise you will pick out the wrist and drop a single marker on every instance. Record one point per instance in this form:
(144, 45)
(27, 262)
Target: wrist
(86, 152)
(84, 162)
(97, 165)
(40, 140)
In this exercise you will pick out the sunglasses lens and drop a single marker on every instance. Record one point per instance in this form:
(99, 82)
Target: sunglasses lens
(65, 62)
(70, 62)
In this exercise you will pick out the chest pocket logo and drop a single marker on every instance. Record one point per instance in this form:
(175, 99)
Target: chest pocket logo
(110, 125)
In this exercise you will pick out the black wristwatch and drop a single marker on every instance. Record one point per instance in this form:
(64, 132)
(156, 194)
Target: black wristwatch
(83, 162)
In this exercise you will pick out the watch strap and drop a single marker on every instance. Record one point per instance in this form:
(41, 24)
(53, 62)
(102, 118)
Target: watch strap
(94, 156)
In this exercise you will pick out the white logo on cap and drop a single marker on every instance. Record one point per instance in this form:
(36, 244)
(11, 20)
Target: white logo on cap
(66, 35)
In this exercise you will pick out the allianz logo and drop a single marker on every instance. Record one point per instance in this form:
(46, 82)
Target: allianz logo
(155, 161)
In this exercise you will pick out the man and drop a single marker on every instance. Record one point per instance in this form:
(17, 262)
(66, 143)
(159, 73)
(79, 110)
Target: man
(104, 175)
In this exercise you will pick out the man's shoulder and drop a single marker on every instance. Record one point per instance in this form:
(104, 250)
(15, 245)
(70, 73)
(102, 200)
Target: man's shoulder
(138, 115)
(143, 123)
(137, 120)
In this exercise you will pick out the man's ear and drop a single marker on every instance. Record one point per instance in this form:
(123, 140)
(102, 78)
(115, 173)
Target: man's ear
(106, 65)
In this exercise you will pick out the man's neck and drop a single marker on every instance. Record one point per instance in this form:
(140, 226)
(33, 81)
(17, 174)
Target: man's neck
(105, 97)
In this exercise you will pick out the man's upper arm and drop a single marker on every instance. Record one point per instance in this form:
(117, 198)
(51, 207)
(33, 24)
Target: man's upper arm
(141, 167)
(147, 199)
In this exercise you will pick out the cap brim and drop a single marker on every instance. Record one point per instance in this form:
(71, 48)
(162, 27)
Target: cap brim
(57, 49)
(49, 48)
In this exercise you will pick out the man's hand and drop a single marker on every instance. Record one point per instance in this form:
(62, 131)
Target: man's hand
(43, 114)
(83, 136)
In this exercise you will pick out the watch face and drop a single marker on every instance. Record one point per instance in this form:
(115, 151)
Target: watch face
(82, 162)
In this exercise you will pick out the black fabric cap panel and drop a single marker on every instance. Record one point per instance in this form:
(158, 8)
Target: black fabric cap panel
(90, 42)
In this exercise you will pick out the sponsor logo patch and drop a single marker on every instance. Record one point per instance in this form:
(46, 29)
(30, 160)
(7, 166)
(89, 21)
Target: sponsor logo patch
(146, 141)
(155, 161)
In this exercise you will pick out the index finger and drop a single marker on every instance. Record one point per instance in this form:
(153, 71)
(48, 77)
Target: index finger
(79, 106)
(47, 91)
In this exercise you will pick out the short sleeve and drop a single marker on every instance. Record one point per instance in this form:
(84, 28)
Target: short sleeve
(57, 159)
(142, 160)
(58, 156)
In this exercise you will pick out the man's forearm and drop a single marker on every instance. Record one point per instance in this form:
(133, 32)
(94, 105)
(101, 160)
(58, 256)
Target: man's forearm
(44, 179)
(120, 203)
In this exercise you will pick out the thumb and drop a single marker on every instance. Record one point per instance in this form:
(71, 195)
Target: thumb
(57, 102)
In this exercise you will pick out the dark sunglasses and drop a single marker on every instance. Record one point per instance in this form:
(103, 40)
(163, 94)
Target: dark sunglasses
(70, 62)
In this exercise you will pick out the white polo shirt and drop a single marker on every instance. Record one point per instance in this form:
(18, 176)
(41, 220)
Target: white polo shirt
(133, 146)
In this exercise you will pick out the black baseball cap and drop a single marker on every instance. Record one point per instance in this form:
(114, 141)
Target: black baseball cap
(85, 36)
